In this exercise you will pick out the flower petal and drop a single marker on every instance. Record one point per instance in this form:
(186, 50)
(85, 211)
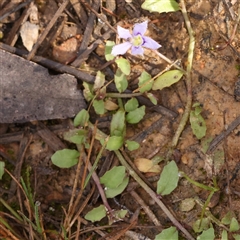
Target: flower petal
(123, 33)
(150, 43)
(137, 50)
(120, 49)
(140, 28)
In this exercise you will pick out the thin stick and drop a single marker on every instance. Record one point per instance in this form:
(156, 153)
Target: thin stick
(146, 208)
(15, 9)
(47, 29)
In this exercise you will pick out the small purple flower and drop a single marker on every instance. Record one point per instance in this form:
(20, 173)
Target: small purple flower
(136, 41)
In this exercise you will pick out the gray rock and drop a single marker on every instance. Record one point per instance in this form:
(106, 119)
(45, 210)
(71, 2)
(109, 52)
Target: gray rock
(28, 92)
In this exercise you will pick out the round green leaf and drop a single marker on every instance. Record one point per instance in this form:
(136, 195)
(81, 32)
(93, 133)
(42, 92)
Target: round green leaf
(169, 179)
(108, 50)
(131, 105)
(81, 119)
(169, 233)
(113, 192)
(167, 79)
(136, 115)
(114, 143)
(201, 224)
(234, 225)
(160, 6)
(99, 106)
(88, 91)
(96, 214)
(120, 81)
(132, 145)
(124, 65)
(142, 84)
(224, 235)
(198, 125)
(117, 125)
(207, 235)
(65, 158)
(236, 236)
(99, 81)
(114, 177)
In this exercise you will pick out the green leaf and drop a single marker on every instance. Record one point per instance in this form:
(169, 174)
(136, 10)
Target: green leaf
(2, 165)
(120, 81)
(224, 235)
(99, 106)
(99, 81)
(136, 115)
(96, 214)
(167, 79)
(117, 125)
(81, 119)
(205, 143)
(113, 192)
(88, 91)
(131, 105)
(132, 145)
(236, 236)
(108, 50)
(76, 136)
(65, 158)
(205, 222)
(142, 84)
(124, 65)
(169, 179)
(207, 235)
(234, 225)
(169, 233)
(198, 125)
(226, 220)
(152, 98)
(114, 143)
(114, 177)
(160, 6)
(120, 214)
(187, 204)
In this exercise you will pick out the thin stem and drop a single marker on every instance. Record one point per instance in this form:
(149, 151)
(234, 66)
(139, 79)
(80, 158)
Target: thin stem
(212, 189)
(188, 77)
(123, 95)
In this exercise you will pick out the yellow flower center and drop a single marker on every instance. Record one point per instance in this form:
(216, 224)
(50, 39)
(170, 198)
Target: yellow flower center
(137, 40)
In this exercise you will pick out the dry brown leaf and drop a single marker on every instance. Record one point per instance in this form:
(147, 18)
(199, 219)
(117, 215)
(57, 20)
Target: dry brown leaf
(146, 165)
(110, 105)
(29, 34)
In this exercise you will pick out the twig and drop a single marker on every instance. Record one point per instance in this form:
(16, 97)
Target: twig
(152, 194)
(87, 33)
(188, 77)
(146, 208)
(13, 34)
(47, 29)
(61, 68)
(15, 9)
(72, 204)
(224, 134)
